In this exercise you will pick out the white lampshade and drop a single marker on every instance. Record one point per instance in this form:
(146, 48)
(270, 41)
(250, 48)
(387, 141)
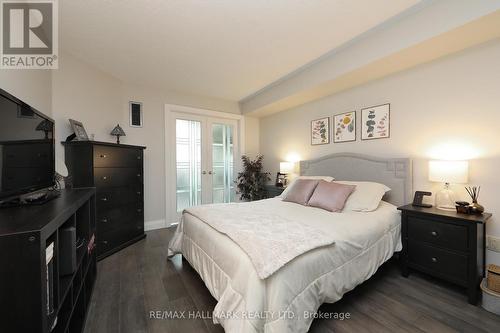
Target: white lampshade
(455, 172)
(286, 167)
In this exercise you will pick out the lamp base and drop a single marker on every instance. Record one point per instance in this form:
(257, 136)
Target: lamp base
(445, 199)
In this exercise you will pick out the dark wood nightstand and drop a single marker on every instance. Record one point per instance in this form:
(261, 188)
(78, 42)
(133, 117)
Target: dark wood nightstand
(273, 191)
(445, 244)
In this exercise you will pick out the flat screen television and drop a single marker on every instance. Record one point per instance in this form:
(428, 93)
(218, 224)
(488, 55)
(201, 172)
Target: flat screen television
(27, 161)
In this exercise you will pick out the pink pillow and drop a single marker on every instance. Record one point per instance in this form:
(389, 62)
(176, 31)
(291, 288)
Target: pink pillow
(301, 191)
(331, 196)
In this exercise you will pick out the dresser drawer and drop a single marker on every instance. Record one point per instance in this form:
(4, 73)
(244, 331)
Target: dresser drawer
(117, 196)
(109, 240)
(450, 236)
(113, 157)
(120, 217)
(435, 260)
(117, 177)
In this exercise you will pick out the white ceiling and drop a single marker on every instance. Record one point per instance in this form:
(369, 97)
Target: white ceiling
(219, 48)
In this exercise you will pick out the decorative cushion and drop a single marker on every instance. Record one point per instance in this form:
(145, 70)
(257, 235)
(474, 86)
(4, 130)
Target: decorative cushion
(289, 187)
(330, 196)
(366, 197)
(301, 191)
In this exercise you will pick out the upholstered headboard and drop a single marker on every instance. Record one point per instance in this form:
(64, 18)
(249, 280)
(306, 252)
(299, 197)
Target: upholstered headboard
(393, 172)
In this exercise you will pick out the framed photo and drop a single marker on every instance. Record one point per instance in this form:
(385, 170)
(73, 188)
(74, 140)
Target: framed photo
(344, 127)
(135, 110)
(320, 131)
(79, 130)
(376, 122)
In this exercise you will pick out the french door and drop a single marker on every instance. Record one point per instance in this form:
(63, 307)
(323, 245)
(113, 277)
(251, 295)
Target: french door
(205, 148)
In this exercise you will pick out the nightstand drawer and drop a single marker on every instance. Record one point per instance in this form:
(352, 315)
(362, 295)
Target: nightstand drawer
(450, 236)
(441, 262)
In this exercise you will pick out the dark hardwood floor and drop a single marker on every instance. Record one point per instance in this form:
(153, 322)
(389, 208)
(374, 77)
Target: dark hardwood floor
(139, 279)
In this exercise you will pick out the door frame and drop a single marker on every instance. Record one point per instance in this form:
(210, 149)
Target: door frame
(171, 110)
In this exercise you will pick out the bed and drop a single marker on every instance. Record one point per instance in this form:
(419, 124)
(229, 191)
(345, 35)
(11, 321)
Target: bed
(287, 300)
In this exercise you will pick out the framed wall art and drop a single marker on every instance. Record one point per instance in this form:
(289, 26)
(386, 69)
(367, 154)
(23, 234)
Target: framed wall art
(344, 127)
(376, 122)
(136, 117)
(320, 131)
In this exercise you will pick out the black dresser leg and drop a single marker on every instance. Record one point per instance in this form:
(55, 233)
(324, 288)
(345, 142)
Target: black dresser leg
(473, 294)
(405, 272)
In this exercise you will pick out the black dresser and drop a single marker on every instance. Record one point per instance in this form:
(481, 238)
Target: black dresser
(117, 173)
(445, 244)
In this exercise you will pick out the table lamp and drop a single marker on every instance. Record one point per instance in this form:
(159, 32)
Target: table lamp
(448, 172)
(281, 177)
(118, 131)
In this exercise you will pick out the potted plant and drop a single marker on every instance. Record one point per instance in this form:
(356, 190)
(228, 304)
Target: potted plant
(251, 180)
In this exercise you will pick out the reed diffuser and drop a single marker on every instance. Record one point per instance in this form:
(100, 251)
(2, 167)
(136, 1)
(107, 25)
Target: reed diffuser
(473, 191)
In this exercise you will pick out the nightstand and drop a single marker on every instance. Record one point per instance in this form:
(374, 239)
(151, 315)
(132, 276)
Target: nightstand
(444, 244)
(273, 191)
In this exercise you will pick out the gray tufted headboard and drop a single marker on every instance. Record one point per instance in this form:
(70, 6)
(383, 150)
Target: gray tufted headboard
(393, 172)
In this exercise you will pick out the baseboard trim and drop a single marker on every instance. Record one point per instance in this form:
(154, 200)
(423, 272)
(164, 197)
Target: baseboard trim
(153, 225)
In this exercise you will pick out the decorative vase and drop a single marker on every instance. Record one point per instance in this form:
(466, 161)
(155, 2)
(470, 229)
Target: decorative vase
(476, 208)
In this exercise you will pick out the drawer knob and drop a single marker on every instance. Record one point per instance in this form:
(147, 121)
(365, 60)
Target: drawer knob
(434, 233)
(138, 175)
(138, 157)
(105, 242)
(104, 199)
(138, 193)
(103, 156)
(104, 177)
(139, 210)
(434, 259)
(139, 227)
(104, 220)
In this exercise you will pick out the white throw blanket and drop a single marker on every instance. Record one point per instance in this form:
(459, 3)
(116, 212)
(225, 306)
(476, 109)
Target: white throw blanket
(270, 240)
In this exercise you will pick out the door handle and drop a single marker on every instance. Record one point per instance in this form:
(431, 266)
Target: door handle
(203, 172)
(211, 173)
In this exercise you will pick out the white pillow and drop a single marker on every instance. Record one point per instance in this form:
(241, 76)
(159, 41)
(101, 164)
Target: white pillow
(289, 187)
(366, 196)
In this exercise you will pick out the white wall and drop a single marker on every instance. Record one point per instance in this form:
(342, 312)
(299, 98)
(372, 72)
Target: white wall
(30, 86)
(252, 135)
(100, 101)
(447, 107)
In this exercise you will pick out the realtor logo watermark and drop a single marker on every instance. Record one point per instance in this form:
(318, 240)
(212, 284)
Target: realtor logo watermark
(29, 34)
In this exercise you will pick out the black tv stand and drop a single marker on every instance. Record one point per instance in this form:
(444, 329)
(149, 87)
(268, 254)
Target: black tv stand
(28, 302)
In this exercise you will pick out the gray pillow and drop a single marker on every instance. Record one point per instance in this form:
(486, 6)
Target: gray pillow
(301, 191)
(331, 196)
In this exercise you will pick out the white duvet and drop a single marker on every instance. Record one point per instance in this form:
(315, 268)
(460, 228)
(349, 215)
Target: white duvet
(285, 301)
(284, 236)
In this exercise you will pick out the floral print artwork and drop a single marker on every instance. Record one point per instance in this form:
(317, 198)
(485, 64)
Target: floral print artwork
(345, 127)
(320, 131)
(375, 122)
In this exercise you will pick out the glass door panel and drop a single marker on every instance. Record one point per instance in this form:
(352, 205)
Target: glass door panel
(205, 148)
(188, 163)
(223, 189)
